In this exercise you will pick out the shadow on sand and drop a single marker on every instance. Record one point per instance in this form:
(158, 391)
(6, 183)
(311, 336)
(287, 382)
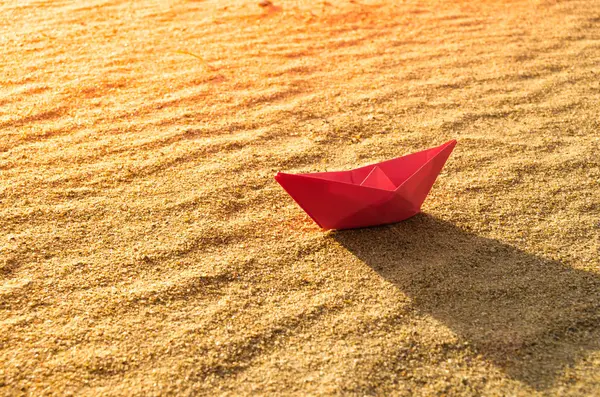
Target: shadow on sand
(530, 316)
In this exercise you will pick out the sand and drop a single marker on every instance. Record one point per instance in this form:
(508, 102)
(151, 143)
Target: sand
(145, 248)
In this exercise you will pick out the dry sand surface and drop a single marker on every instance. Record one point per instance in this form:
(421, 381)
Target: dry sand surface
(145, 248)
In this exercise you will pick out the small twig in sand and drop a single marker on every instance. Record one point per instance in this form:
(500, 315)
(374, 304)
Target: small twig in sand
(208, 66)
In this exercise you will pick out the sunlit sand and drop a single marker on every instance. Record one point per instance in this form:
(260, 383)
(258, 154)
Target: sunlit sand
(145, 248)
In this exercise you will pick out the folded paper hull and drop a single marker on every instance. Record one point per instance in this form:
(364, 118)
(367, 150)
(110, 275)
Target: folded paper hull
(387, 192)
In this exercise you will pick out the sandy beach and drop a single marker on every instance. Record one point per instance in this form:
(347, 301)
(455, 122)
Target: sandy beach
(146, 250)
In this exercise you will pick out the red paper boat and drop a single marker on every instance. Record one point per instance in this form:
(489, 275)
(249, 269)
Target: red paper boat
(376, 194)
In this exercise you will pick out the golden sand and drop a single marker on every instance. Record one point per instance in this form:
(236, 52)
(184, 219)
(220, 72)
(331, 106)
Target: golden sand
(145, 248)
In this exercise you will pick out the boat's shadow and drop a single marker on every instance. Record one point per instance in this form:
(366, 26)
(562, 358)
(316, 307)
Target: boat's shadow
(528, 315)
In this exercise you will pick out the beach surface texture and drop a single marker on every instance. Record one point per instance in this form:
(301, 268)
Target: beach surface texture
(146, 249)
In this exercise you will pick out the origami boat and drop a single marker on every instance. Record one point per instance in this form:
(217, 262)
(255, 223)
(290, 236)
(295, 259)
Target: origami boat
(376, 194)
